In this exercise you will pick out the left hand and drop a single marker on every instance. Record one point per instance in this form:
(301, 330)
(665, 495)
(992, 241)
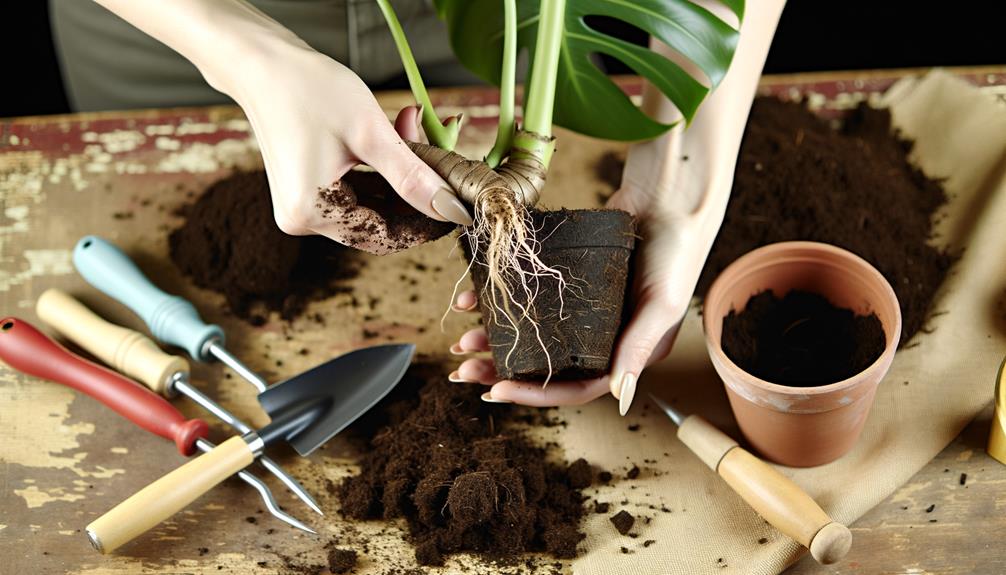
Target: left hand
(677, 186)
(668, 261)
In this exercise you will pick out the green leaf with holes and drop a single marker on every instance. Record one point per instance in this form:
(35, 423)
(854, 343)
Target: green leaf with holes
(587, 100)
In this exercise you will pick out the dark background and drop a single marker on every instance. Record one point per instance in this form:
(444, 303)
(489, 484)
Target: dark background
(812, 36)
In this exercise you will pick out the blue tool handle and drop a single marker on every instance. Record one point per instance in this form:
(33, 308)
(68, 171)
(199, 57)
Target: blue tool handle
(171, 319)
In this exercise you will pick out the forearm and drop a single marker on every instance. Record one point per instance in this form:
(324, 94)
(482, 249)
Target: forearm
(692, 169)
(221, 37)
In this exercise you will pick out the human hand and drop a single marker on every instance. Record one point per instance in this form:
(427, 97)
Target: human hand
(669, 258)
(677, 186)
(314, 119)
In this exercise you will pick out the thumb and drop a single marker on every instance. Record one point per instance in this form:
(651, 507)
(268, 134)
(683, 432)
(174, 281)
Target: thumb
(647, 338)
(411, 178)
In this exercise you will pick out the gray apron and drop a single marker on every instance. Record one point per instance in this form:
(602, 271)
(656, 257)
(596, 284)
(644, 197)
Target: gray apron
(107, 64)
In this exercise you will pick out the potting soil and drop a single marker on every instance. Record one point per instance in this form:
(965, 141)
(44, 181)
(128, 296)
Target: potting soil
(462, 476)
(797, 178)
(230, 243)
(801, 339)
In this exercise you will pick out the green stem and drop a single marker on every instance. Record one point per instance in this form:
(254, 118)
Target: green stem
(444, 137)
(505, 130)
(540, 97)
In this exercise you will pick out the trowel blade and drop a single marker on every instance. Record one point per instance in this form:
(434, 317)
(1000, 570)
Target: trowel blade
(348, 386)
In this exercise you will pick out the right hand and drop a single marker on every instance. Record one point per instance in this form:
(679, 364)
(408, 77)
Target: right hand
(314, 120)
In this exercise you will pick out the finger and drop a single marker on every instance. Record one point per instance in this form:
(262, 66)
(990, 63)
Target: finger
(466, 301)
(648, 336)
(475, 370)
(407, 123)
(412, 179)
(554, 394)
(473, 341)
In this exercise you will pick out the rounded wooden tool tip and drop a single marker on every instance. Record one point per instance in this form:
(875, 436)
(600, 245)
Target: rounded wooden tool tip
(831, 543)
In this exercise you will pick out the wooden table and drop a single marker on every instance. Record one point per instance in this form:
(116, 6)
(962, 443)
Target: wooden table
(66, 458)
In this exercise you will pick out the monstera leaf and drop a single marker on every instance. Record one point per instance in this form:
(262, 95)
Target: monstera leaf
(587, 101)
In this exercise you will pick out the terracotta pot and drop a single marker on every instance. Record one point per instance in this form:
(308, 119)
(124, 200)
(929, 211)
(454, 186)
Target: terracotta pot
(801, 426)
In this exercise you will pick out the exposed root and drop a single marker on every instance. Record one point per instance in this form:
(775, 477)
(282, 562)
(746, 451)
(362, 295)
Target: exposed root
(503, 239)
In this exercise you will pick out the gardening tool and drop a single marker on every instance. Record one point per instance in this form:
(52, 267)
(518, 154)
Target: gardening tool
(306, 411)
(774, 496)
(135, 355)
(171, 319)
(997, 436)
(29, 351)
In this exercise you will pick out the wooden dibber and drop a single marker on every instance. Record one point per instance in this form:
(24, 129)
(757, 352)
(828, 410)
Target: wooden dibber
(774, 496)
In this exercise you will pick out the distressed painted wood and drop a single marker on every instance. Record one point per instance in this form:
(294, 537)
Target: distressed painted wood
(65, 458)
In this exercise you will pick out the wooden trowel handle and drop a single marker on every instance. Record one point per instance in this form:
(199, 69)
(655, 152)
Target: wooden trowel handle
(774, 496)
(168, 495)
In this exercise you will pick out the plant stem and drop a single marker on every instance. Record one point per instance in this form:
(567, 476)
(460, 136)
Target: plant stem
(441, 136)
(505, 129)
(540, 97)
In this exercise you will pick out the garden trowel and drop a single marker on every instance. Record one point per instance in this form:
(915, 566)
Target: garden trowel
(306, 411)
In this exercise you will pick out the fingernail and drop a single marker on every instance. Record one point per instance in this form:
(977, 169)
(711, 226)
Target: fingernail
(455, 377)
(626, 392)
(488, 398)
(450, 207)
(456, 349)
(456, 307)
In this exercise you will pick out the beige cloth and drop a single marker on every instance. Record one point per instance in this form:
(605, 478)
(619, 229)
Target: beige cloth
(960, 134)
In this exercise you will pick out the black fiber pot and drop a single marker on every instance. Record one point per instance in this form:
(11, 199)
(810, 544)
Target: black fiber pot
(592, 248)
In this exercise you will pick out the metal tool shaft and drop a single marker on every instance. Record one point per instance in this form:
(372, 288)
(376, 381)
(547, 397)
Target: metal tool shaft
(180, 382)
(216, 350)
(263, 489)
(676, 416)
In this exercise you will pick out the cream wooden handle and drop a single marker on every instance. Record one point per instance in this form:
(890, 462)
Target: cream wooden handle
(126, 350)
(168, 495)
(785, 505)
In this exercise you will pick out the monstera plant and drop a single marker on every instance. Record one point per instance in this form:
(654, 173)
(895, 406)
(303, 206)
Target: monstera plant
(564, 86)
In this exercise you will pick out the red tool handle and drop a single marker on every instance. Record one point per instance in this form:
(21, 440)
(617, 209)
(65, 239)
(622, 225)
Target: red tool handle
(28, 350)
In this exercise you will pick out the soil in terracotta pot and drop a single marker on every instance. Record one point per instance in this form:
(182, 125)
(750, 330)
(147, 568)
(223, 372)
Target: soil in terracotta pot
(798, 178)
(463, 478)
(575, 326)
(801, 339)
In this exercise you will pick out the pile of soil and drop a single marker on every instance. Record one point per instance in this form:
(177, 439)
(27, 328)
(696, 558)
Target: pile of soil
(230, 243)
(801, 339)
(799, 179)
(462, 476)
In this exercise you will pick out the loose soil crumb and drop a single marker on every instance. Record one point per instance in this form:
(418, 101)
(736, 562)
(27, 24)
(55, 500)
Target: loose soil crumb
(633, 473)
(230, 243)
(580, 474)
(461, 476)
(608, 169)
(623, 521)
(341, 560)
(801, 339)
(799, 179)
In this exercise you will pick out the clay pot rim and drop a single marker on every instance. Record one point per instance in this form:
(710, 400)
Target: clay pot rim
(883, 361)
